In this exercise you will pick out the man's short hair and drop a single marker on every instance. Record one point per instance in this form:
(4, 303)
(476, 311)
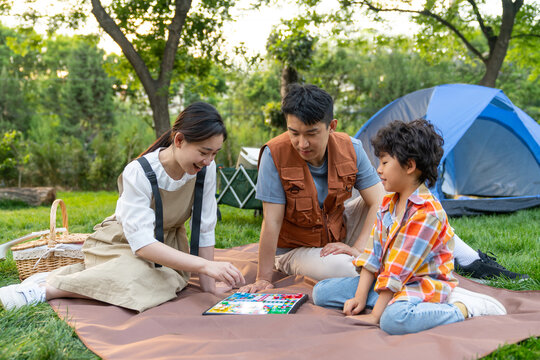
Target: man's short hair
(417, 140)
(308, 103)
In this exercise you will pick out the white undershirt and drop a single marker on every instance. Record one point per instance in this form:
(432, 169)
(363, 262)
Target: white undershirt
(133, 209)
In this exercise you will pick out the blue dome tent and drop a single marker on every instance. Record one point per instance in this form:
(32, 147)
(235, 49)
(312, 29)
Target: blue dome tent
(491, 160)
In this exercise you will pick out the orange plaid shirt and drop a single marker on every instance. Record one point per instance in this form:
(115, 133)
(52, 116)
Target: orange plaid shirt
(413, 258)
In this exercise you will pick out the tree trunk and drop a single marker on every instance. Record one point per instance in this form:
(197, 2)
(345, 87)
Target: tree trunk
(35, 196)
(289, 75)
(497, 55)
(160, 111)
(156, 90)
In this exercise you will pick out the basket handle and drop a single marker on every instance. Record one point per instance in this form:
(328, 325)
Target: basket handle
(54, 207)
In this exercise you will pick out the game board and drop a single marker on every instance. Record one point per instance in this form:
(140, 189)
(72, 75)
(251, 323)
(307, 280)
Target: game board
(257, 304)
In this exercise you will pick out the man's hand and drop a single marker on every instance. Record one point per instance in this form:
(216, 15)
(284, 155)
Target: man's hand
(339, 248)
(257, 286)
(354, 306)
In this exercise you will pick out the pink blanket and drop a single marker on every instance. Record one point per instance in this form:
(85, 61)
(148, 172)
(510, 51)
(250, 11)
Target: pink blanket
(177, 330)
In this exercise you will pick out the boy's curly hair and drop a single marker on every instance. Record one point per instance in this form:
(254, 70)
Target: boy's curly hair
(417, 140)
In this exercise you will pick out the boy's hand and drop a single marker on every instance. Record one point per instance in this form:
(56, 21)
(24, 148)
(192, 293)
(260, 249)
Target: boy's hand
(221, 289)
(369, 318)
(354, 306)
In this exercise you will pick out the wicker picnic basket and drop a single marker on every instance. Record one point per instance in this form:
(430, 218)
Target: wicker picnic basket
(50, 251)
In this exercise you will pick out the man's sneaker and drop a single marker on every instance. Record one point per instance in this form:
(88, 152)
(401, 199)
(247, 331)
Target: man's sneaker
(29, 292)
(477, 304)
(486, 268)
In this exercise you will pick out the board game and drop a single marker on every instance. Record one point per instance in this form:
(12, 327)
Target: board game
(257, 304)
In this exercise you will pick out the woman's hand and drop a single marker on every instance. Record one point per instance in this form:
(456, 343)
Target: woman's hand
(225, 272)
(339, 248)
(354, 306)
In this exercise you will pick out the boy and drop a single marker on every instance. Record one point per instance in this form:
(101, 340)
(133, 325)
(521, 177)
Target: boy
(407, 266)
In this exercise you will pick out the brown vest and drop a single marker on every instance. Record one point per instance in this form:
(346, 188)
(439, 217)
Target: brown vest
(305, 224)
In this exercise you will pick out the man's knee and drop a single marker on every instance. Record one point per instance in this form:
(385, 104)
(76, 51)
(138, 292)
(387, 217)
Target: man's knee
(340, 265)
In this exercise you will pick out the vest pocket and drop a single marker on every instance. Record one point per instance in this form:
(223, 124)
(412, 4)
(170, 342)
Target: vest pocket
(293, 179)
(347, 172)
(301, 213)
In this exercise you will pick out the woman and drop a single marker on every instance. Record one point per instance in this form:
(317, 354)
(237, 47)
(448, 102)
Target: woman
(123, 257)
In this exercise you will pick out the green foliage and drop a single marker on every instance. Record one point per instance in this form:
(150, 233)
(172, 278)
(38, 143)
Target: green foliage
(106, 165)
(132, 130)
(56, 159)
(521, 86)
(273, 115)
(13, 157)
(525, 39)
(291, 44)
(15, 97)
(70, 130)
(200, 41)
(87, 96)
(364, 75)
(243, 111)
(82, 115)
(13, 102)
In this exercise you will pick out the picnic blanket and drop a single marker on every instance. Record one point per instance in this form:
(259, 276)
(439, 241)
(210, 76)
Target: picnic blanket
(177, 330)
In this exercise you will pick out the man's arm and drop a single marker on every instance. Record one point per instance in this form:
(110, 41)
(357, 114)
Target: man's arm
(271, 226)
(372, 197)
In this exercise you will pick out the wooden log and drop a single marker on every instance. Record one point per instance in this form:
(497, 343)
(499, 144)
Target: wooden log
(34, 196)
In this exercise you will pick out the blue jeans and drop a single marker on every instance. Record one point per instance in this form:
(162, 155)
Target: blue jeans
(401, 317)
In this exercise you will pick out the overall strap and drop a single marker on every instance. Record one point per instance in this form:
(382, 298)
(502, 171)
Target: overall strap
(151, 175)
(196, 216)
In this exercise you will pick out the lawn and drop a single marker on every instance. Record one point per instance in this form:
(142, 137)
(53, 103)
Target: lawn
(37, 333)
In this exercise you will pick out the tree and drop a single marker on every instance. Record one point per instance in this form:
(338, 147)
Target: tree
(13, 157)
(292, 46)
(86, 96)
(463, 19)
(18, 58)
(365, 75)
(153, 54)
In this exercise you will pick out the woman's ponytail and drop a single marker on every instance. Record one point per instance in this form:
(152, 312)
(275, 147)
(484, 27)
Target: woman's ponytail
(164, 140)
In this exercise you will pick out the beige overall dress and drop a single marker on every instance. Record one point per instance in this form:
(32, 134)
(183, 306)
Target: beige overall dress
(113, 274)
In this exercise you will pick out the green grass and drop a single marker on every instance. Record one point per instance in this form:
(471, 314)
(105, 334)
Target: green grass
(37, 333)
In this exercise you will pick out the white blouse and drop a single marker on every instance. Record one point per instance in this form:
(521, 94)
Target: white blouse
(133, 209)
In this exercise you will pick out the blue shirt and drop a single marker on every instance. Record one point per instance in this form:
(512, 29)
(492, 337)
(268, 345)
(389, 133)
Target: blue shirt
(270, 189)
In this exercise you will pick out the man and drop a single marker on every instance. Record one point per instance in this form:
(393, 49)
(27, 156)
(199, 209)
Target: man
(305, 176)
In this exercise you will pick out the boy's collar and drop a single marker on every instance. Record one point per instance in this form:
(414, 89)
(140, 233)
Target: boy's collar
(418, 197)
